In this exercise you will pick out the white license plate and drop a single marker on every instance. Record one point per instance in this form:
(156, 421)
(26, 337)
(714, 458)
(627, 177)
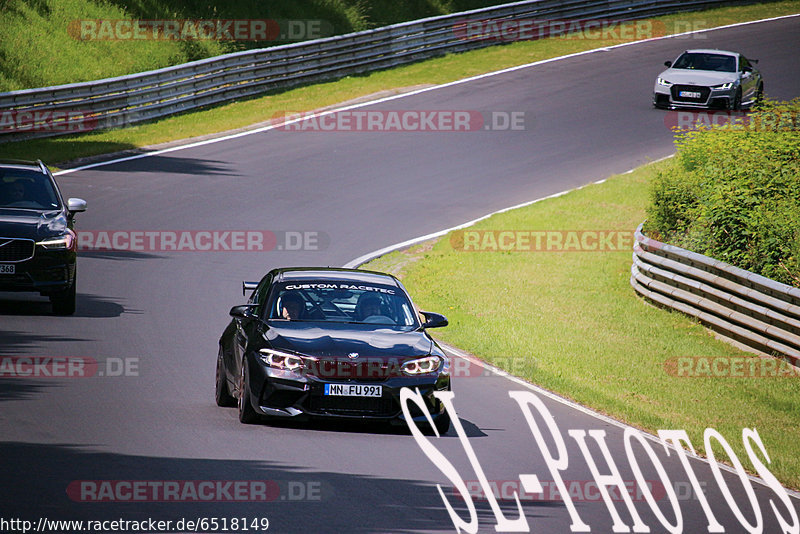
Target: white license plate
(353, 390)
(5, 268)
(690, 94)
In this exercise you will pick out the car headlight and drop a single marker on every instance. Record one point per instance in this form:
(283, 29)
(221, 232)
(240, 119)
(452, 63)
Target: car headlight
(665, 83)
(62, 242)
(723, 86)
(421, 366)
(281, 360)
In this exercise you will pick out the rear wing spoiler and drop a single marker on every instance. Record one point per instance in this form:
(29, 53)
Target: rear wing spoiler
(248, 286)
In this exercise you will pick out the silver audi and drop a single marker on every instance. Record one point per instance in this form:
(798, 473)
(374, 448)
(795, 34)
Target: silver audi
(709, 79)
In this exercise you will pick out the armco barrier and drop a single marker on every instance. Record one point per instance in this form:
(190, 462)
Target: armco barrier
(125, 100)
(754, 310)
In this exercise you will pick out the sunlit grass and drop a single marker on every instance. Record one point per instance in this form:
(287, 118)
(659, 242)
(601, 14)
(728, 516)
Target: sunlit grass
(435, 71)
(571, 323)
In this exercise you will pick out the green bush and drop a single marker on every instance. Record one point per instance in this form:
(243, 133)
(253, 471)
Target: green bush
(733, 193)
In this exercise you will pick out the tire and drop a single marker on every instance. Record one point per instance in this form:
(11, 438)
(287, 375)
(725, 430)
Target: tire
(63, 303)
(247, 414)
(759, 95)
(443, 424)
(736, 105)
(222, 394)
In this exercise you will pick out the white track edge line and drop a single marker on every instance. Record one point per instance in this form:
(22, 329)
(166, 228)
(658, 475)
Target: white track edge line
(403, 95)
(604, 418)
(499, 372)
(440, 233)
(352, 264)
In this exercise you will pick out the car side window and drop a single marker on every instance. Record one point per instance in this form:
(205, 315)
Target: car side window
(744, 65)
(259, 296)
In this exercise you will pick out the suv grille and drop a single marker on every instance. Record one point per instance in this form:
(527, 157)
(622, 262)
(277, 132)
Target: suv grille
(703, 93)
(15, 250)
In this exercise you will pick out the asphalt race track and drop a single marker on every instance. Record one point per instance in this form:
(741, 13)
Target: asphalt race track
(161, 312)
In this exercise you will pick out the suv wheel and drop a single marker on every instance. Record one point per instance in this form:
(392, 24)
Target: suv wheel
(63, 303)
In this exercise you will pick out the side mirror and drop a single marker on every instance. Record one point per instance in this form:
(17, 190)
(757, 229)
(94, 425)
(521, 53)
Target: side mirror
(433, 320)
(668, 63)
(75, 205)
(245, 311)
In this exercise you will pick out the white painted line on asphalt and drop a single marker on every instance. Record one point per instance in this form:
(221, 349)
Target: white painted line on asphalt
(397, 246)
(583, 409)
(443, 232)
(403, 95)
(499, 372)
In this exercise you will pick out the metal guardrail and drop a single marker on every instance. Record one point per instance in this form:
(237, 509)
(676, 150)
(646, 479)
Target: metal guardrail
(750, 308)
(127, 100)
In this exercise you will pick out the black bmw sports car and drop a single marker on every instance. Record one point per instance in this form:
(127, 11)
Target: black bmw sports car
(323, 342)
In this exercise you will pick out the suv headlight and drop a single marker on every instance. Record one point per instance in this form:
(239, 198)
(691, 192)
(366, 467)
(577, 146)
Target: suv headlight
(421, 366)
(281, 360)
(665, 83)
(723, 86)
(62, 242)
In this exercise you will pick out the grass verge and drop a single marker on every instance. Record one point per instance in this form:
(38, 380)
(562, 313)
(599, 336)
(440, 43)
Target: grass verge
(435, 71)
(571, 323)
(36, 31)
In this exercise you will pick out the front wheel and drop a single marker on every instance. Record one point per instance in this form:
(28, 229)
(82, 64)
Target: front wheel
(736, 104)
(247, 414)
(759, 94)
(443, 424)
(63, 303)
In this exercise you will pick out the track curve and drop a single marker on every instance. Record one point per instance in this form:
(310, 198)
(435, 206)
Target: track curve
(586, 117)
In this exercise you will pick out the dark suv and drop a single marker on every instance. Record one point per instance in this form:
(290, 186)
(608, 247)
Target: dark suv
(38, 247)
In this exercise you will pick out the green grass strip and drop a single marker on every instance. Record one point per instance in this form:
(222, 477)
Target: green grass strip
(435, 71)
(570, 322)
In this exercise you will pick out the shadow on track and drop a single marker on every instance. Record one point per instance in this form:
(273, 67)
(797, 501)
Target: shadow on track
(87, 306)
(73, 483)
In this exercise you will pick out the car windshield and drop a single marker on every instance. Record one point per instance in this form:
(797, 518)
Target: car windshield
(703, 61)
(24, 189)
(341, 301)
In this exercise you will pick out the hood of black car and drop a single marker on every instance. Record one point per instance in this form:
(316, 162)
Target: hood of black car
(337, 341)
(32, 224)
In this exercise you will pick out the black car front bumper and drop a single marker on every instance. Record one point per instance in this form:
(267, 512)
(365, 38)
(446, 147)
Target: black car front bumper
(279, 393)
(46, 272)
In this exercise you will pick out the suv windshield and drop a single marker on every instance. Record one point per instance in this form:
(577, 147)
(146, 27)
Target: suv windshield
(341, 301)
(700, 61)
(24, 189)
